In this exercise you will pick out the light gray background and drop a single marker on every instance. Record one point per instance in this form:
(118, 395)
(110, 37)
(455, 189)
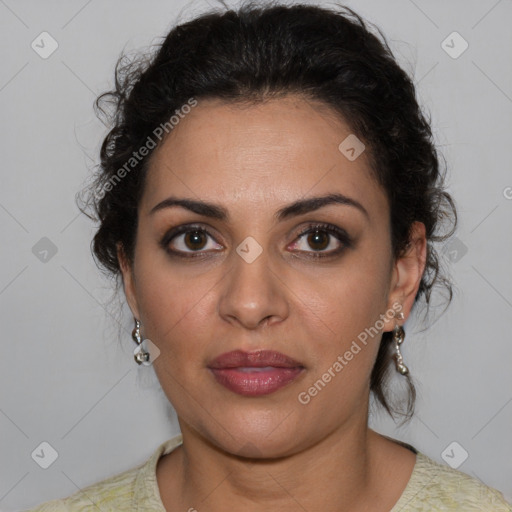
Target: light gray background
(64, 376)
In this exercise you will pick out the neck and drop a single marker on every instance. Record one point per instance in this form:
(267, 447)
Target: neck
(214, 480)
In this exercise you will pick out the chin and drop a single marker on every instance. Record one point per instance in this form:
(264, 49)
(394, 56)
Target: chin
(256, 435)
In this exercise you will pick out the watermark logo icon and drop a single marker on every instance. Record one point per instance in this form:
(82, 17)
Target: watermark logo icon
(44, 45)
(454, 455)
(148, 346)
(250, 452)
(351, 147)
(249, 249)
(455, 250)
(45, 455)
(44, 250)
(454, 45)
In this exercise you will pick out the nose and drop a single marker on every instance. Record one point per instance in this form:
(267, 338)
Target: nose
(252, 294)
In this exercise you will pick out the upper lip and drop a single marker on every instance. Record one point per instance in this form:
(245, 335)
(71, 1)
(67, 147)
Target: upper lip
(255, 359)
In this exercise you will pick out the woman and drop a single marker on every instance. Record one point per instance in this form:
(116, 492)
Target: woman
(269, 195)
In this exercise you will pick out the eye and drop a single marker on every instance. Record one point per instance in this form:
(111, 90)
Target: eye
(322, 238)
(319, 240)
(189, 239)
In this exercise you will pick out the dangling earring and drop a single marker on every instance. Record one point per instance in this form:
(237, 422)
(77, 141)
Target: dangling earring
(140, 355)
(398, 338)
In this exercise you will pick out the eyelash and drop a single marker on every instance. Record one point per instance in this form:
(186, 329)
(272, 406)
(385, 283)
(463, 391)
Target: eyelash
(340, 234)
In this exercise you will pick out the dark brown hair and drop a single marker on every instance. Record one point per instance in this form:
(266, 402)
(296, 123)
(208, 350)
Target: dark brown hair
(260, 52)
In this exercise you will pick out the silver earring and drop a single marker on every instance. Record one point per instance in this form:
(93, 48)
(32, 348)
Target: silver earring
(398, 338)
(140, 355)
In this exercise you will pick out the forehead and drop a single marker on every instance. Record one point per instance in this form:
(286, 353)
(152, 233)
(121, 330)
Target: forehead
(280, 150)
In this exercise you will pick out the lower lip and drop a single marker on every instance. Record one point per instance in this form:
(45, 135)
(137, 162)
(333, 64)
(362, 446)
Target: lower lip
(255, 381)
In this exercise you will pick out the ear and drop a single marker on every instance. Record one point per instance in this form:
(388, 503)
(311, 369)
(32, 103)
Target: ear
(128, 280)
(407, 273)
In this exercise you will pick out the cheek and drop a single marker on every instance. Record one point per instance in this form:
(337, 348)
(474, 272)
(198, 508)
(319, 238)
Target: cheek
(340, 315)
(168, 291)
(177, 317)
(176, 312)
(179, 314)
(342, 348)
(348, 298)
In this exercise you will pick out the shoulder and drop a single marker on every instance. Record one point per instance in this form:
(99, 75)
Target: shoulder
(434, 486)
(134, 489)
(110, 494)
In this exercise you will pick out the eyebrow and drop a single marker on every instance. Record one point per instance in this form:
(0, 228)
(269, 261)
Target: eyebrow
(296, 208)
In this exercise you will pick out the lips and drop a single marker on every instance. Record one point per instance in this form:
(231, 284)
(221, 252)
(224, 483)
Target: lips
(259, 359)
(254, 373)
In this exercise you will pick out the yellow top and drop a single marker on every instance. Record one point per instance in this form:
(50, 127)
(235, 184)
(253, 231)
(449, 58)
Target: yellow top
(431, 487)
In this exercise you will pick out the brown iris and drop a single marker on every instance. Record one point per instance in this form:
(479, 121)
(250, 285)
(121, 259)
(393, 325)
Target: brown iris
(193, 240)
(318, 240)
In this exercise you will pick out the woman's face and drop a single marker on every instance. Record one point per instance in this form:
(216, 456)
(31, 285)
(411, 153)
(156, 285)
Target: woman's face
(252, 282)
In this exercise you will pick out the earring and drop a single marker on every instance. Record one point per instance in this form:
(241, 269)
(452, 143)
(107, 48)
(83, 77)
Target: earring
(141, 356)
(398, 338)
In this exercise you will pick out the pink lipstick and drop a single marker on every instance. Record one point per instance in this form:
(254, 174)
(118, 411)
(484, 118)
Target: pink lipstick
(254, 373)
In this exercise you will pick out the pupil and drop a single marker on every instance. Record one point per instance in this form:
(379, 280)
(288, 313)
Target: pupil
(316, 238)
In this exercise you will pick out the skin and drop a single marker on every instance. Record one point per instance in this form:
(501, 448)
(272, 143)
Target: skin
(270, 452)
